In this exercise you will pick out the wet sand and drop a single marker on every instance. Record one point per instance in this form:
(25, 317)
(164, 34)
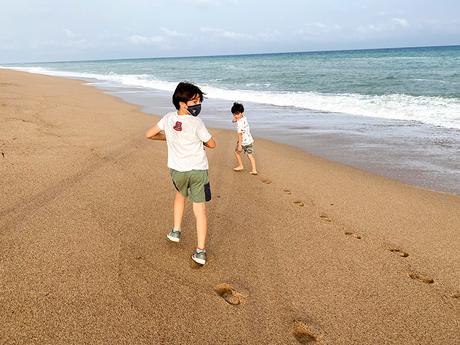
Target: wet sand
(407, 151)
(310, 251)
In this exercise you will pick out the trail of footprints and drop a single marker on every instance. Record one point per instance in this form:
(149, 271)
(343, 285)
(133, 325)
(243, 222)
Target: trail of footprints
(325, 218)
(303, 333)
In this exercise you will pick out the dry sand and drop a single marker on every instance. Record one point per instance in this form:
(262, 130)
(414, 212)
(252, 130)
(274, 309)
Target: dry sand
(307, 252)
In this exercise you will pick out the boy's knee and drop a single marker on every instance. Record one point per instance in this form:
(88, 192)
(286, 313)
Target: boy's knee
(199, 207)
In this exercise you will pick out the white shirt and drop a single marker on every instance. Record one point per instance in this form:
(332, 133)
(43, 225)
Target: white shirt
(185, 135)
(242, 126)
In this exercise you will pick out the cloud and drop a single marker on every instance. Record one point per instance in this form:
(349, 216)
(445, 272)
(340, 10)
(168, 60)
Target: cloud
(371, 28)
(145, 40)
(172, 33)
(322, 27)
(69, 33)
(393, 24)
(166, 40)
(219, 33)
(401, 21)
(316, 29)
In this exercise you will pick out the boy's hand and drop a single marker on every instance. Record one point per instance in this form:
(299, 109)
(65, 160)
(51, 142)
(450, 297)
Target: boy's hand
(239, 148)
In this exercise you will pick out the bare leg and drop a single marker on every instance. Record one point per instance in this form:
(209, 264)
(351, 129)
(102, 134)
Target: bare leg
(199, 209)
(253, 164)
(179, 204)
(240, 162)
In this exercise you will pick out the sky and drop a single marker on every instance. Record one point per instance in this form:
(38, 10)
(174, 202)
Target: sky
(57, 30)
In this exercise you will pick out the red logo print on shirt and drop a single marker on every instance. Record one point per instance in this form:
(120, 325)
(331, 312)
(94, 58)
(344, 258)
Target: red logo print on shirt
(178, 126)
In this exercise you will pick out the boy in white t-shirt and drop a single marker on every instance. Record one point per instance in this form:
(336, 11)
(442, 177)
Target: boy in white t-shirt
(186, 135)
(245, 141)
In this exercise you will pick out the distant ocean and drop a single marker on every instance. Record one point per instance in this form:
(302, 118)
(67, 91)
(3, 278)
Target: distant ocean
(411, 87)
(414, 84)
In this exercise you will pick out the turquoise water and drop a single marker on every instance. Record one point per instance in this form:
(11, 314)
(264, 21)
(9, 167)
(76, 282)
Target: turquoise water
(412, 84)
(394, 112)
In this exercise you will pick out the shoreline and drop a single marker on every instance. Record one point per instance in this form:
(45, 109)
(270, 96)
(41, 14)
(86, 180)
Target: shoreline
(354, 141)
(310, 248)
(411, 152)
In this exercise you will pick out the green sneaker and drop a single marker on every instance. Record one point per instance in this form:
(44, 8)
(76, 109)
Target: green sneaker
(199, 257)
(174, 235)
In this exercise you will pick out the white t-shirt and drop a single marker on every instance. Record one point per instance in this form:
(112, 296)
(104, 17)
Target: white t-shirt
(185, 135)
(242, 126)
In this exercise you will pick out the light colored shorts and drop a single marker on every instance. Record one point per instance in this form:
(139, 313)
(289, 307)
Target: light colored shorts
(193, 184)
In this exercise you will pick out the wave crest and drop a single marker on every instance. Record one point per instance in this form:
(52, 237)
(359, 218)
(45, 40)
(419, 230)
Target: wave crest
(437, 111)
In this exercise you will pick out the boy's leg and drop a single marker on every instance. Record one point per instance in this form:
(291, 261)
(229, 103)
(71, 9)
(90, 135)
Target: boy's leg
(240, 162)
(199, 209)
(253, 163)
(200, 193)
(179, 204)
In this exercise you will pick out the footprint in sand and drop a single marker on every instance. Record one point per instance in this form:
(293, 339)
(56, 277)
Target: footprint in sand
(325, 218)
(266, 181)
(421, 277)
(303, 334)
(455, 295)
(299, 203)
(287, 191)
(349, 233)
(229, 294)
(399, 251)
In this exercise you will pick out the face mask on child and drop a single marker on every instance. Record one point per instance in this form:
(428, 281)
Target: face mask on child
(194, 109)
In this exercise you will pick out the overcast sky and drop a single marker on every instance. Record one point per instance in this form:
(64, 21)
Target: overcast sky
(56, 30)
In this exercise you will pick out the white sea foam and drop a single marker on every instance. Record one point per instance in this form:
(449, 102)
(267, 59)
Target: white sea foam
(438, 111)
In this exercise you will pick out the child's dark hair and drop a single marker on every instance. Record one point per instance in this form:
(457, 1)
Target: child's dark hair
(185, 92)
(237, 108)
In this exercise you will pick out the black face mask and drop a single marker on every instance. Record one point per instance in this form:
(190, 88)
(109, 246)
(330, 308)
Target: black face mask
(194, 110)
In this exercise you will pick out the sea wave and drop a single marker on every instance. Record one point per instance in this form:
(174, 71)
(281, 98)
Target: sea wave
(437, 111)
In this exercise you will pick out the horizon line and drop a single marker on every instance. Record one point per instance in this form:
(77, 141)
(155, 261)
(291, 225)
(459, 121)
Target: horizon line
(243, 54)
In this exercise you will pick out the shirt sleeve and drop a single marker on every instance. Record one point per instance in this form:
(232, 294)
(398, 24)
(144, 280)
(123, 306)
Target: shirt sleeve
(202, 132)
(161, 123)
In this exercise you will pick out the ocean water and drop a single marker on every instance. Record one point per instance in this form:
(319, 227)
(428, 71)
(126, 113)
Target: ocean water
(413, 84)
(391, 111)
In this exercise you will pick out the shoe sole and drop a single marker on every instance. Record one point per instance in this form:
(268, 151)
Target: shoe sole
(199, 261)
(173, 239)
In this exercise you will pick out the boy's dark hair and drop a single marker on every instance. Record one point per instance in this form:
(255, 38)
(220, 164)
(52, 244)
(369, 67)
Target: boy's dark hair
(237, 108)
(185, 92)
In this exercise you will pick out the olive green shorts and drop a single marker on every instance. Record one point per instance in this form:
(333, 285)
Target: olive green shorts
(248, 149)
(193, 184)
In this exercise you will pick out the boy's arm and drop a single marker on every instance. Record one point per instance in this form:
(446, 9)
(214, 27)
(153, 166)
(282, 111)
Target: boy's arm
(204, 135)
(155, 133)
(240, 138)
(210, 143)
(239, 143)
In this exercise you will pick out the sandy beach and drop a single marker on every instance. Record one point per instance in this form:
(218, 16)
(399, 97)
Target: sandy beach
(310, 251)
